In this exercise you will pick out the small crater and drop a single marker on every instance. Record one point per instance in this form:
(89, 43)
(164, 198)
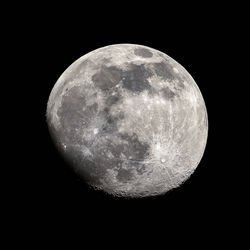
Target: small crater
(143, 52)
(181, 84)
(110, 126)
(95, 131)
(106, 110)
(175, 70)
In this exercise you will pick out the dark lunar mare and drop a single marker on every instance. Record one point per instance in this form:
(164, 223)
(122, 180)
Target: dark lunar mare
(136, 78)
(107, 77)
(143, 52)
(135, 152)
(168, 94)
(165, 71)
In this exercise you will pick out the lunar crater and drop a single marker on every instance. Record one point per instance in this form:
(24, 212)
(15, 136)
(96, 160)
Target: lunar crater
(143, 52)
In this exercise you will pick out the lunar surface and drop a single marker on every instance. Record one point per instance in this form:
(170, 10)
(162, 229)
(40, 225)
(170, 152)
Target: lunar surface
(129, 120)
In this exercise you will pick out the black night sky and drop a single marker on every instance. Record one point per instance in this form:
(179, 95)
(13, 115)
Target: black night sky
(52, 195)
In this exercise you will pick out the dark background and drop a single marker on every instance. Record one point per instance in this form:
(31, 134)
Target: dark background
(51, 196)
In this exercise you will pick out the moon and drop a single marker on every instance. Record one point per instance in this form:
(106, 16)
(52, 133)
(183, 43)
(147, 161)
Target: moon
(129, 120)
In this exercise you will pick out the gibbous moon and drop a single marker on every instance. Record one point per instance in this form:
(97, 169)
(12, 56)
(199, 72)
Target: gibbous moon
(129, 120)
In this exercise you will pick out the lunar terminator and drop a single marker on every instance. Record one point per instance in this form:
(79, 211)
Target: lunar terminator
(129, 120)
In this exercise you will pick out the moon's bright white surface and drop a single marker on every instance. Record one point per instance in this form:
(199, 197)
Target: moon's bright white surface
(129, 119)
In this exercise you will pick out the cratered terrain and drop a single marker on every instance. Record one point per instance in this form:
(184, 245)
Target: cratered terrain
(129, 120)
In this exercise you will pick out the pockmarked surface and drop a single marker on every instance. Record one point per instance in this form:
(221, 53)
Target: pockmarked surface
(129, 119)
